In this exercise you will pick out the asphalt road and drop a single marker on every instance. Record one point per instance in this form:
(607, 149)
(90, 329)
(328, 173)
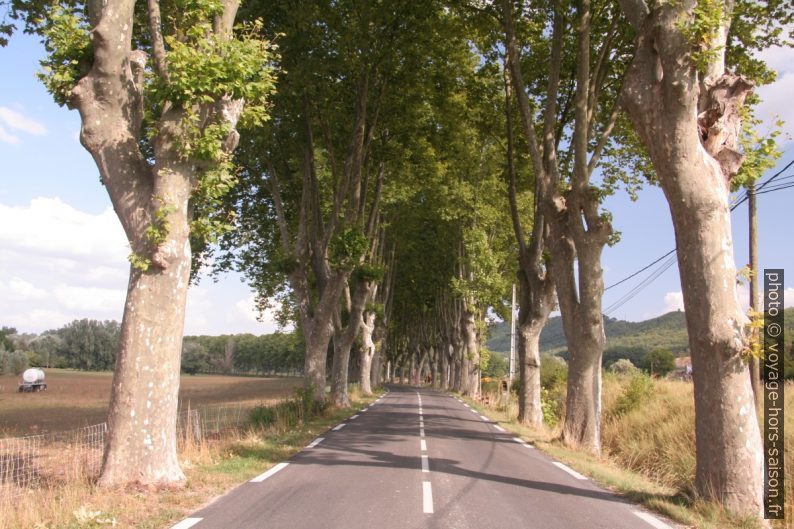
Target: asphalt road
(418, 458)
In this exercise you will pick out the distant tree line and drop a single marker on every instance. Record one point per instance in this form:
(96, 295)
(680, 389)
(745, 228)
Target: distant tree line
(91, 345)
(242, 353)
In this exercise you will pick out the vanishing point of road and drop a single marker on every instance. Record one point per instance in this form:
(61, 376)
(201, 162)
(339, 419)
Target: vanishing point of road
(419, 458)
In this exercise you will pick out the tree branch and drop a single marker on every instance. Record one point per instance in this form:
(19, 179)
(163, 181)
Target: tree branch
(156, 34)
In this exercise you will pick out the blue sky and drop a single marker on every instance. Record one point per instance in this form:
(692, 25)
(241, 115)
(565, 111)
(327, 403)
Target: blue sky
(63, 254)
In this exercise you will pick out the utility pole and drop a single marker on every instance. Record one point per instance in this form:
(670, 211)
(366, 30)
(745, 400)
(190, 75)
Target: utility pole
(755, 363)
(512, 340)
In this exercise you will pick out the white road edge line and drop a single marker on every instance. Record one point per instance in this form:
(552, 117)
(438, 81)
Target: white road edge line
(425, 464)
(423, 445)
(190, 522)
(338, 426)
(652, 520)
(568, 470)
(262, 477)
(354, 417)
(522, 442)
(315, 442)
(483, 417)
(427, 497)
(498, 427)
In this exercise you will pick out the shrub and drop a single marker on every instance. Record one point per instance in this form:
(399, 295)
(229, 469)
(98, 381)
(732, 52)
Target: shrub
(551, 405)
(623, 367)
(289, 413)
(634, 395)
(553, 372)
(659, 362)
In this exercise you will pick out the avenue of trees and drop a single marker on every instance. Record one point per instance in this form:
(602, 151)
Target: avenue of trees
(383, 171)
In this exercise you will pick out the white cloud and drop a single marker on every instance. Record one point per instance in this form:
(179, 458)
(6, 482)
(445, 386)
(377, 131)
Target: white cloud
(58, 264)
(51, 227)
(788, 297)
(673, 301)
(776, 104)
(246, 308)
(37, 320)
(7, 137)
(778, 58)
(16, 289)
(16, 121)
(90, 299)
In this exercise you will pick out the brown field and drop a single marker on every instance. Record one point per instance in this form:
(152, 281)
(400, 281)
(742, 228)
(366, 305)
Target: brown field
(74, 399)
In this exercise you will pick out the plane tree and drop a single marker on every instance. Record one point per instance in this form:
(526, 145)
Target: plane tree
(579, 149)
(686, 92)
(308, 216)
(161, 93)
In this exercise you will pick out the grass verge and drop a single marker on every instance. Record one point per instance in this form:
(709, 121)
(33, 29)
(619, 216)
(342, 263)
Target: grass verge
(212, 467)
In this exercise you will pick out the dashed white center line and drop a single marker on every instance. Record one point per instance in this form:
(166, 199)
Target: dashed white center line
(425, 464)
(262, 477)
(423, 445)
(652, 520)
(190, 522)
(498, 427)
(339, 426)
(568, 470)
(315, 442)
(427, 497)
(421, 432)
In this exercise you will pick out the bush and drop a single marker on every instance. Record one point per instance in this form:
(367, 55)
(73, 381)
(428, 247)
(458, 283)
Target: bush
(551, 404)
(490, 385)
(623, 367)
(659, 362)
(553, 372)
(289, 413)
(634, 395)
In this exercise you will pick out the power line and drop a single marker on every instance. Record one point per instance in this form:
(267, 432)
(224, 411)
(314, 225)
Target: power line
(669, 262)
(641, 270)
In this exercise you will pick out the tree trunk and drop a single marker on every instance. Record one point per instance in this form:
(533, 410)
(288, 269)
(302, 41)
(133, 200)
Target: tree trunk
(471, 384)
(376, 373)
(529, 406)
(690, 128)
(141, 441)
(315, 362)
(582, 426)
(367, 352)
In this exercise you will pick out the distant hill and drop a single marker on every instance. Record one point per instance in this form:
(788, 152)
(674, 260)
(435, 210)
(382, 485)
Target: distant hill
(624, 338)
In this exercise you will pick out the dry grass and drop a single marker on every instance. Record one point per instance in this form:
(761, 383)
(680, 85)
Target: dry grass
(212, 467)
(649, 452)
(75, 398)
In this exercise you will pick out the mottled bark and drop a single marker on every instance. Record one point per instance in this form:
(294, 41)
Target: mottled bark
(577, 232)
(471, 383)
(141, 438)
(689, 127)
(344, 335)
(367, 352)
(536, 292)
(141, 441)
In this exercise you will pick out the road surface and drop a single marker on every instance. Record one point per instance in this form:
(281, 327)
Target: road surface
(418, 458)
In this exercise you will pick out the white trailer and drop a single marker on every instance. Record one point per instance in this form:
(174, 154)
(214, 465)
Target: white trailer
(32, 380)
